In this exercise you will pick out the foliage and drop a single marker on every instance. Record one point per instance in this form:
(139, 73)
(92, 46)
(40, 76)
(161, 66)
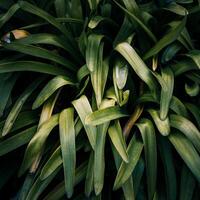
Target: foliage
(99, 99)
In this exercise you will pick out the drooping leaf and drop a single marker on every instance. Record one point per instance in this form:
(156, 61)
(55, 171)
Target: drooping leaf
(33, 66)
(41, 53)
(162, 125)
(137, 64)
(187, 152)
(166, 39)
(50, 88)
(107, 114)
(187, 128)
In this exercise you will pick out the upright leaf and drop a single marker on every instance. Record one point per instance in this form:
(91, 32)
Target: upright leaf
(37, 142)
(67, 140)
(118, 140)
(83, 109)
(134, 151)
(150, 148)
(166, 93)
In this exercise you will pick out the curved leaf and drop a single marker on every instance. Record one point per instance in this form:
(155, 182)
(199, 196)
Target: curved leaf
(50, 88)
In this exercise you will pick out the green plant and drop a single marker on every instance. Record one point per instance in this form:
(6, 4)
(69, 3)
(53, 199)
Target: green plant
(100, 99)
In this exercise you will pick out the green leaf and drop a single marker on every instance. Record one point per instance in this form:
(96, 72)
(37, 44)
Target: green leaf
(167, 39)
(18, 106)
(178, 107)
(92, 51)
(127, 187)
(6, 87)
(187, 185)
(192, 90)
(125, 31)
(59, 191)
(118, 140)
(195, 56)
(47, 109)
(187, 152)
(50, 88)
(137, 64)
(99, 76)
(121, 74)
(89, 180)
(134, 151)
(41, 53)
(104, 115)
(137, 175)
(41, 13)
(99, 151)
(176, 8)
(195, 112)
(150, 148)
(136, 20)
(169, 168)
(96, 20)
(39, 186)
(93, 4)
(170, 52)
(49, 39)
(162, 125)
(52, 164)
(183, 66)
(166, 93)
(83, 109)
(17, 140)
(33, 66)
(9, 14)
(187, 128)
(67, 140)
(37, 143)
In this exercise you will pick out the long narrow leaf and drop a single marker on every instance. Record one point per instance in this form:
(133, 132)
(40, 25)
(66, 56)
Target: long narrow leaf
(134, 151)
(36, 144)
(83, 108)
(18, 106)
(187, 152)
(150, 148)
(67, 139)
(50, 88)
(115, 133)
(105, 115)
(137, 64)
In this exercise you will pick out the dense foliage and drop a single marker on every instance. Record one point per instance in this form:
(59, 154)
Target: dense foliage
(99, 99)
